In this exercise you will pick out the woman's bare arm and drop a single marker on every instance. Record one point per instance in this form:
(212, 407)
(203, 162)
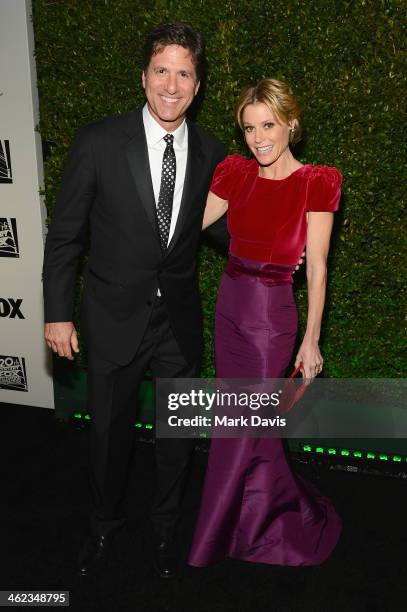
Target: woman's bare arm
(214, 209)
(318, 237)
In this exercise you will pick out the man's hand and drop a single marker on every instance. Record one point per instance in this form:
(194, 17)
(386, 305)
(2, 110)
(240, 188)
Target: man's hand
(300, 262)
(61, 338)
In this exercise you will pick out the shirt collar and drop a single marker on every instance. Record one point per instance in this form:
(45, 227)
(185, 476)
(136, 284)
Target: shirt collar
(155, 133)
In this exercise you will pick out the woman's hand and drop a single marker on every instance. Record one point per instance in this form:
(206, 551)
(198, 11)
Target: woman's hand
(311, 358)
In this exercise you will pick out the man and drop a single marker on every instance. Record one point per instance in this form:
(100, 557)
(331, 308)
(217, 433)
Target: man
(139, 181)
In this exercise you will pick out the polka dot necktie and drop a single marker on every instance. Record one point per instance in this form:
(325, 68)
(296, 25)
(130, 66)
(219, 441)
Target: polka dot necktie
(165, 199)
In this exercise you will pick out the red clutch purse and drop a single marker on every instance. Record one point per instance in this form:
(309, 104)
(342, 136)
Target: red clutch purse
(291, 392)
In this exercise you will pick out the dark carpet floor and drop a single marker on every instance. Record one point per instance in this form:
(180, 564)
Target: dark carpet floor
(45, 501)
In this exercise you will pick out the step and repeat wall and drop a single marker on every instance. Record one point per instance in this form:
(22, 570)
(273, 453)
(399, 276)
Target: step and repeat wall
(25, 362)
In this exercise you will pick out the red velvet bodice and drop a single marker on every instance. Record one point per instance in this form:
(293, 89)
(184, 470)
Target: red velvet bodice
(267, 218)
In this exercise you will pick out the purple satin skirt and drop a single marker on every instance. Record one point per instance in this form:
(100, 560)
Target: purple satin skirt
(254, 507)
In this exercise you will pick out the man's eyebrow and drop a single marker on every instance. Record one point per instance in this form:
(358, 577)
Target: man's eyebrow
(160, 67)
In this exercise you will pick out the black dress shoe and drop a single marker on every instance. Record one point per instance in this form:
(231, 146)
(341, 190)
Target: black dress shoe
(93, 555)
(163, 559)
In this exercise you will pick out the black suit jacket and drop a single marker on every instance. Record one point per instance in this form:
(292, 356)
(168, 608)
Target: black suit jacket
(107, 188)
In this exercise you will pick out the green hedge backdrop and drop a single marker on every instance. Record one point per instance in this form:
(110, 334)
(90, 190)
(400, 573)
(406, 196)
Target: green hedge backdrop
(344, 59)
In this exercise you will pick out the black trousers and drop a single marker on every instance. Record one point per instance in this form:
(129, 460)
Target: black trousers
(112, 393)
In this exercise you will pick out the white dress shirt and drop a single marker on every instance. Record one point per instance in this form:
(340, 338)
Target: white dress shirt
(156, 147)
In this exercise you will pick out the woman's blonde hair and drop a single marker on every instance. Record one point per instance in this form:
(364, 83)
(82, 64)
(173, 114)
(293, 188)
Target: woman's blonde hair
(279, 98)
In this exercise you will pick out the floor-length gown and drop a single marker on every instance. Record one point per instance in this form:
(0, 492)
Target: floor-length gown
(254, 507)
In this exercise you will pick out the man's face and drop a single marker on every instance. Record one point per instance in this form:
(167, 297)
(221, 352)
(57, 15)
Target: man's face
(171, 84)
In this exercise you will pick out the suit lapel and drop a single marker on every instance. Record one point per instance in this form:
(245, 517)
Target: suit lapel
(193, 171)
(137, 157)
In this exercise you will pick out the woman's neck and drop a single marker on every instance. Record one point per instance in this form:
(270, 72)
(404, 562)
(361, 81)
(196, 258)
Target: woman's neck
(284, 165)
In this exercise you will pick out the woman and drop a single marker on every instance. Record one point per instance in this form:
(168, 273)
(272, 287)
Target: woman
(253, 506)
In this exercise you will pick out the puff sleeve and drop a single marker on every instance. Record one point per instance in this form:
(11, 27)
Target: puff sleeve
(225, 175)
(324, 189)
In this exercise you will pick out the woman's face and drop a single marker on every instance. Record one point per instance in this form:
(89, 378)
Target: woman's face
(266, 136)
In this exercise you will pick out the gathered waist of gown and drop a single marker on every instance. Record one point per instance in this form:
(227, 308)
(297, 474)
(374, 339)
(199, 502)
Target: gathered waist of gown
(271, 274)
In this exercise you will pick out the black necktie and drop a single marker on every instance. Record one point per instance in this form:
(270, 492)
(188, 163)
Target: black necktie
(165, 199)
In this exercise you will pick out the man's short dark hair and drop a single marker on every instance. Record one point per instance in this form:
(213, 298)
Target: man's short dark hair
(176, 33)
